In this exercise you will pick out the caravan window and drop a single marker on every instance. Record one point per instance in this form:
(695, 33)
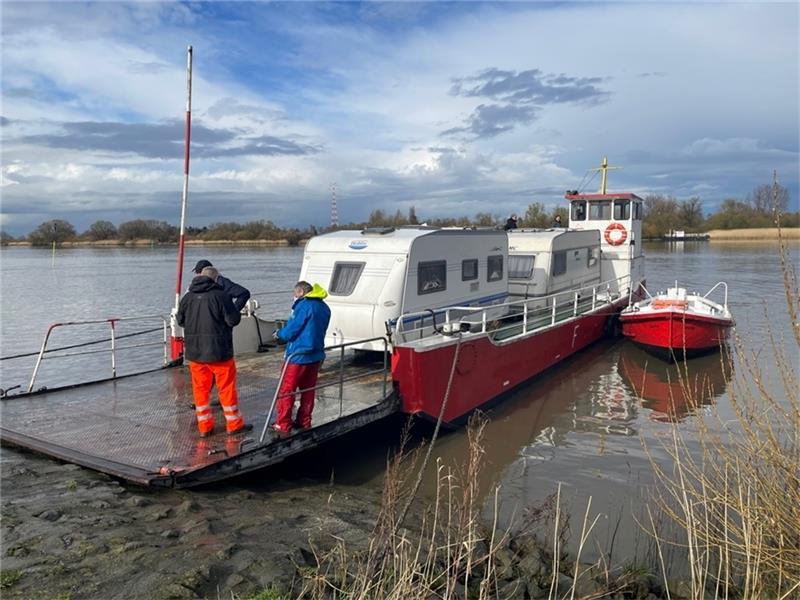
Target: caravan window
(559, 263)
(600, 211)
(494, 267)
(431, 277)
(578, 210)
(520, 266)
(594, 254)
(469, 269)
(344, 278)
(622, 210)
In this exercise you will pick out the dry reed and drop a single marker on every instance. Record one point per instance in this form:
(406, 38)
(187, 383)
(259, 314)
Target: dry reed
(733, 484)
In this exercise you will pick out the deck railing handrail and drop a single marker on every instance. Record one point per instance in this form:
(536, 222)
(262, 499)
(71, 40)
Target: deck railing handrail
(340, 381)
(601, 293)
(725, 287)
(112, 322)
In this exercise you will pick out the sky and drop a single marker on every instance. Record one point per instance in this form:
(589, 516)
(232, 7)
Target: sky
(453, 108)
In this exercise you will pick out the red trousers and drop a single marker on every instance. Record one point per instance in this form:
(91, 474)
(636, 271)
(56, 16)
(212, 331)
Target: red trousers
(296, 377)
(203, 376)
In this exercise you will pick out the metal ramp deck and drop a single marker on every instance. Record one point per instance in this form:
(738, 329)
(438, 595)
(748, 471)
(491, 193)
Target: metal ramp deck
(142, 427)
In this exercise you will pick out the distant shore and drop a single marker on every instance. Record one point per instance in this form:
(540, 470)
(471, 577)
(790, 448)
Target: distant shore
(763, 234)
(147, 243)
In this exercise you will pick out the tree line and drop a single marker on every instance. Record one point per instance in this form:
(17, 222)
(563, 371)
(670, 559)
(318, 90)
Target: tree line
(661, 215)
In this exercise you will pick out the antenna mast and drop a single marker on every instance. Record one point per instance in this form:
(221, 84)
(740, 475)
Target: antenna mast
(603, 169)
(176, 342)
(334, 213)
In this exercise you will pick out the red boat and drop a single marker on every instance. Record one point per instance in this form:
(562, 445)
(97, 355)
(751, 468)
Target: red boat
(677, 323)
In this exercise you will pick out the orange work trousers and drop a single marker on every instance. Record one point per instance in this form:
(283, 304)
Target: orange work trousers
(203, 377)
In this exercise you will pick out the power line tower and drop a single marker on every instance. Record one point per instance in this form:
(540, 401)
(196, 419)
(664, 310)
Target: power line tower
(334, 214)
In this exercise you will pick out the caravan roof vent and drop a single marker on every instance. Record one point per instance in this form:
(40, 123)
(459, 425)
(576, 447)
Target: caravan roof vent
(376, 230)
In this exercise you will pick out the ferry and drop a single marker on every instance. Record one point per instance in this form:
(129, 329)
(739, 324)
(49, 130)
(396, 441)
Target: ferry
(434, 322)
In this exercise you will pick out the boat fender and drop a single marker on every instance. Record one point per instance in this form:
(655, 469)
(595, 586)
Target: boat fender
(616, 240)
(455, 328)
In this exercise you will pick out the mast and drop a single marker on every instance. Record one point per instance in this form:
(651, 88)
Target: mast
(604, 173)
(177, 341)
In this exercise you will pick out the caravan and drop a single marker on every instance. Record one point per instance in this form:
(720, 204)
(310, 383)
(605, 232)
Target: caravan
(375, 275)
(543, 262)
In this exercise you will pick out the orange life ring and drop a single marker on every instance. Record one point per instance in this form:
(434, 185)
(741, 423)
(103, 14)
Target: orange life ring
(623, 234)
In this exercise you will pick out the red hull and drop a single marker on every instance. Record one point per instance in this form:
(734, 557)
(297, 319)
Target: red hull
(674, 330)
(486, 370)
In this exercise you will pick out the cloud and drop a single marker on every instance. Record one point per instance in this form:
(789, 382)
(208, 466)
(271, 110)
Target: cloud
(489, 120)
(164, 140)
(518, 97)
(529, 87)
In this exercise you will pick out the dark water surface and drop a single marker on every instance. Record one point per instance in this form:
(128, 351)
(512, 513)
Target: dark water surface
(584, 423)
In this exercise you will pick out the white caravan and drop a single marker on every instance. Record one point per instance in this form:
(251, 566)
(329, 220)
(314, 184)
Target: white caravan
(375, 275)
(543, 262)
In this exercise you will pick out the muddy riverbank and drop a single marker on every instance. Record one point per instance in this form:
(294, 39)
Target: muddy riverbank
(71, 533)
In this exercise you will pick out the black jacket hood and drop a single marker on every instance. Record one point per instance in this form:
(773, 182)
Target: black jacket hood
(201, 284)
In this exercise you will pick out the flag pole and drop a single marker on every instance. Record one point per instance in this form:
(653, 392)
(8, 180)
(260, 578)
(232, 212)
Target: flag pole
(176, 341)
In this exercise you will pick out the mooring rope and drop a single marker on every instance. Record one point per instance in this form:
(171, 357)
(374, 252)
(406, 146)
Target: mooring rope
(82, 344)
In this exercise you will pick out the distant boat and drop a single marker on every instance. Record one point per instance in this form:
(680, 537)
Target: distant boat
(676, 323)
(678, 235)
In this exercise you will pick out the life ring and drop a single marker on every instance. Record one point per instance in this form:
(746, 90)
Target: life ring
(617, 240)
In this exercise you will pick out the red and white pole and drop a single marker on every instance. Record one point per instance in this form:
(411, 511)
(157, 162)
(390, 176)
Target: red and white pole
(176, 341)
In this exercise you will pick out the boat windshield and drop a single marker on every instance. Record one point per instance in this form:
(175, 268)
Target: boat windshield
(600, 211)
(578, 210)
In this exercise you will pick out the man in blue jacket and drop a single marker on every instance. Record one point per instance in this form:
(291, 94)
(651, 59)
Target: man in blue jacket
(238, 293)
(304, 334)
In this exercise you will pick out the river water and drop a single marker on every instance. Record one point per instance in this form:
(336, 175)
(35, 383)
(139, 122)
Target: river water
(582, 424)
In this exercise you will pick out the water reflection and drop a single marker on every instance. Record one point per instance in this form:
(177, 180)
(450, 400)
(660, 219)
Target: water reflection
(670, 391)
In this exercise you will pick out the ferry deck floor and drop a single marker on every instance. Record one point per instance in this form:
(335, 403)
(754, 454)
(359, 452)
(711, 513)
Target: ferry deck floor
(142, 427)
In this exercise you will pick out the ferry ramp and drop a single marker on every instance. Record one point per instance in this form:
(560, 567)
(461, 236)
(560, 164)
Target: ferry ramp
(142, 427)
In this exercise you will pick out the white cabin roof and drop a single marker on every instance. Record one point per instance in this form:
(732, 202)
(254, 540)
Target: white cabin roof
(543, 240)
(385, 241)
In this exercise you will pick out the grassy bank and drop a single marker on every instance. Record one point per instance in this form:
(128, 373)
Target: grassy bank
(758, 234)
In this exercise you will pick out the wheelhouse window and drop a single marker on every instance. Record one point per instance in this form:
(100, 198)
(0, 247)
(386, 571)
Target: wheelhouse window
(637, 210)
(344, 278)
(494, 268)
(469, 269)
(578, 210)
(559, 263)
(622, 210)
(520, 266)
(600, 211)
(431, 277)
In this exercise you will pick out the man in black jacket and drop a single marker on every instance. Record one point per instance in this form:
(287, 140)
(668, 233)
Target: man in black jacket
(238, 293)
(208, 316)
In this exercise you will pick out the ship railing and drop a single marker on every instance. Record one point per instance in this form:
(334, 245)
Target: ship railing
(45, 353)
(338, 383)
(517, 317)
(724, 286)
